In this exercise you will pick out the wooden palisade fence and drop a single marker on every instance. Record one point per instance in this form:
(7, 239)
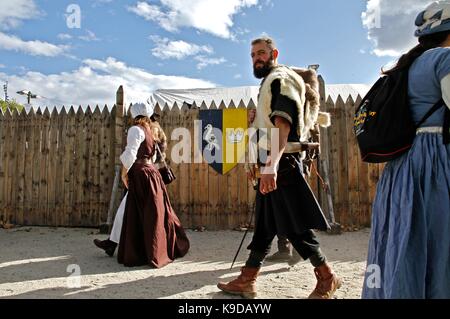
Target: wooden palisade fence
(59, 169)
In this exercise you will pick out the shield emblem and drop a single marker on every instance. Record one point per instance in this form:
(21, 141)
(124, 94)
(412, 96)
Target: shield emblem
(223, 138)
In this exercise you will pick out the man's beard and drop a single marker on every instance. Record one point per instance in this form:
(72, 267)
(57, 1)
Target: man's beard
(264, 71)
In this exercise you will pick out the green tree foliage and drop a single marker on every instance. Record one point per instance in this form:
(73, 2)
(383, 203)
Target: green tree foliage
(12, 105)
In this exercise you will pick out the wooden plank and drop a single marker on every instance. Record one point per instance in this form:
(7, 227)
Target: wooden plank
(3, 162)
(201, 200)
(195, 210)
(21, 166)
(333, 146)
(52, 186)
(233, 185)
(242, 195)
(208, 211)
(13, 177)
(94, 161)
(44, 166)
(324, 146)
(89, 157)
(28, 167)
(343, 203)
(313, 180)
(16, 214)
(191, 117)
(36, 174)
(174, 188)
(213, 197)
(106, 175)
(118, 191)
(8, 127)
(85, 168)
(183, 175)
(60, 161)
(77, 172)
(352, 164)
(69, 178)
(233, 196)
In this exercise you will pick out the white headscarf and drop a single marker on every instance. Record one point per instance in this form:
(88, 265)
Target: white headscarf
(141, 109)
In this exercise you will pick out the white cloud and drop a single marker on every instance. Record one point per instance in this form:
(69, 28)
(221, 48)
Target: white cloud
(13, 12)
(13, 43)
(205, 61)
(11, 15)
(390, 25)
(90, 36)
(238, 76)
(96, 82)
(212, 16)
(64, 36)
(167, 49)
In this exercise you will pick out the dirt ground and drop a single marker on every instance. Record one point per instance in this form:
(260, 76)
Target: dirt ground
(35, 263)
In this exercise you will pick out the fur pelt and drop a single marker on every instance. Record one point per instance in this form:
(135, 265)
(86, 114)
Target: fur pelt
(301, 86)
(312, 93)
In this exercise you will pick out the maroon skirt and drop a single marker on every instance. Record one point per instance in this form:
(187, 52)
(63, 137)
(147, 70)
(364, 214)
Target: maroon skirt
(151, 233)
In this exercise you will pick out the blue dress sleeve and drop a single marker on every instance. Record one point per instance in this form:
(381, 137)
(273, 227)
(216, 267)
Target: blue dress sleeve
(443, 65)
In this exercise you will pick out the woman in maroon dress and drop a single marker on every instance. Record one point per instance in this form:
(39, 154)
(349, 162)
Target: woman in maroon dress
(151, 233)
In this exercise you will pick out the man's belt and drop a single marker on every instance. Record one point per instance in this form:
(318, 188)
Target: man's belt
(298, 147)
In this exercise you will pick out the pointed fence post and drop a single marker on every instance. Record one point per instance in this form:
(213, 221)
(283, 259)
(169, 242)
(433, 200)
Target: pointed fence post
(326, 196)
(118, 137)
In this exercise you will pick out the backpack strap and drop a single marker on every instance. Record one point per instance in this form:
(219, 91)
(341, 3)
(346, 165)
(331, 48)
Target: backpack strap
(435, 107)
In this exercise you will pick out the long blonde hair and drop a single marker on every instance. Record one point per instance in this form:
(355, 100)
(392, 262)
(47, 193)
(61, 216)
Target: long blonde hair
(144, 121)
(156, 132)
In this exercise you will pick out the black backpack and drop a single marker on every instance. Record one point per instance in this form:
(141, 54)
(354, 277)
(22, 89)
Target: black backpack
(383, 125)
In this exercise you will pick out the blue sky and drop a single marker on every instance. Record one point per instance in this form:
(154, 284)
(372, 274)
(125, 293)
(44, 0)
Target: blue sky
(152, 44)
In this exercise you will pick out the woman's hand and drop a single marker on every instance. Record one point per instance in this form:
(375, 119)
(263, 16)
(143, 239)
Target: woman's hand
(124, 176)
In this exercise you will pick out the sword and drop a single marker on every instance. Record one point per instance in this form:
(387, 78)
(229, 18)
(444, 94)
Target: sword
(255, 185)
(243, 238)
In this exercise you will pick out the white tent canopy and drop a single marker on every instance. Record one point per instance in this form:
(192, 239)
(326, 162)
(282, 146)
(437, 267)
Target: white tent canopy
(346, 90)
(244, 93)
(216, 95)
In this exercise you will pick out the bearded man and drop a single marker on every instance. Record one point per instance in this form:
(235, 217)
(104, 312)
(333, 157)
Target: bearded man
(285, 204)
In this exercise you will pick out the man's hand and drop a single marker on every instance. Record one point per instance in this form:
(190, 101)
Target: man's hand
(268, 183)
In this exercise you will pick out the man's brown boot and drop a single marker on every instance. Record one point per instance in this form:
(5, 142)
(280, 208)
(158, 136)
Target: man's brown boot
(295, 259)
(284, 251)
(327, 283)
(244, 285)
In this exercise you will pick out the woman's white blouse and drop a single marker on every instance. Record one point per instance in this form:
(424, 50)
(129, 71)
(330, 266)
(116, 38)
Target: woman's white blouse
(135, 137)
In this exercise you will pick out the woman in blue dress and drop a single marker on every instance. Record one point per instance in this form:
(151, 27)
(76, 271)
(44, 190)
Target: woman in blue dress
(409, 248)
